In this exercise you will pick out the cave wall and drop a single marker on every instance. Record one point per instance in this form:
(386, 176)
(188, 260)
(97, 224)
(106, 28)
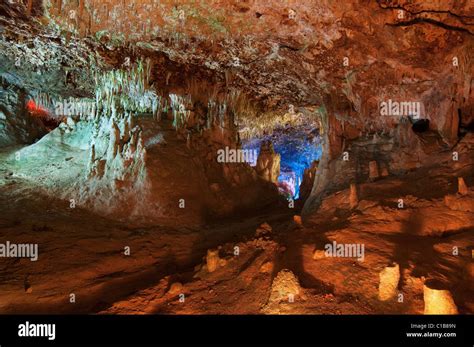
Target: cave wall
(17, 125)
(344, 58)
(425, 60)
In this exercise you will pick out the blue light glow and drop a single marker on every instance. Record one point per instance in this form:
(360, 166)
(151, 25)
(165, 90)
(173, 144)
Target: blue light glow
(298, 149)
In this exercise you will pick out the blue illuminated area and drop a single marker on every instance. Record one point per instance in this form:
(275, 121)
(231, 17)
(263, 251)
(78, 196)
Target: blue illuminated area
(298, 149)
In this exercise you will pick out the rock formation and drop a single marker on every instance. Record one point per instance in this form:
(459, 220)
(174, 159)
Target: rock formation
(462, 188)
(373, 170)
(438, 300)
(212, 260)
(353, 197)
(285, 287)
(268, 163)
(380, 92)
(308, 180)
(388, 285)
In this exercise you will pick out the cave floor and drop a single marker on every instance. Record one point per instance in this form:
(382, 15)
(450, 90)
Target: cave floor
(83, 254)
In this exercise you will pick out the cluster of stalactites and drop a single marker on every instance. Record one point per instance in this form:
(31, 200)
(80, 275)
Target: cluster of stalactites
(253, 127)
(117, 149)
(77, 108)
(180, 108)
(127, 90)
(216, 114)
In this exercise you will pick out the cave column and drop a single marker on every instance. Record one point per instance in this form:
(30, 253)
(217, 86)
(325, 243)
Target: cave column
(268, 163)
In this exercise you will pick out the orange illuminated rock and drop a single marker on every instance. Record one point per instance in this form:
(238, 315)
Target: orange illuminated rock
(319, 254)
(212, 260)
(285, 286)
(176, 288)
(266, 267)
(353, 198)
(297, 220)
(263, 229)
(462, 188)
(438, 300)
(373, 170)
(388, 285)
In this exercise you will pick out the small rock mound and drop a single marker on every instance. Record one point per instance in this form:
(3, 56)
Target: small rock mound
(263, 229)
(175, 288)
(285, 286)
(297, 220)
(319, 254)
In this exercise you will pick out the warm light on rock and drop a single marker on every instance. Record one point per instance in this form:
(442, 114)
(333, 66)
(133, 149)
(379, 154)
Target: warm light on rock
(319, 254)
(438, 300)
(285, 285)
(161, 157)
(353, 198)
(388, 282)
(462, 188)
(297, 220)
(212, 260)
(176, 288)
(373, 170)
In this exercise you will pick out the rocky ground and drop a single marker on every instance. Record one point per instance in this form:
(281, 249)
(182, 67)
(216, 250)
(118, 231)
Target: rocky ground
(249, 264)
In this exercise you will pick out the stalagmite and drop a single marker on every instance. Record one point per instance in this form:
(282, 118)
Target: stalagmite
(373, 170)
(285, 287)
(384, 172)
(297, 220)
(175, 288)
(268, 163)
(188, 141)
(462, 188)
(389, 278)
(438, 300)
(114, 141)
(353, 198)
(91, 164)
(212, 260)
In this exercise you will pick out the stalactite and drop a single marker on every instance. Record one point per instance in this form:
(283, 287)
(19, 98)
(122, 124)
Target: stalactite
(29, 7)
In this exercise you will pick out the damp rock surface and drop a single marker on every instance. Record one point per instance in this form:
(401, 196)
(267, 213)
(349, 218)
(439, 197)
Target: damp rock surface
(134, 205)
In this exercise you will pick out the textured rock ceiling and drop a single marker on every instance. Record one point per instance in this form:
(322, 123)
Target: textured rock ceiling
(284, 52)
(343, 56)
